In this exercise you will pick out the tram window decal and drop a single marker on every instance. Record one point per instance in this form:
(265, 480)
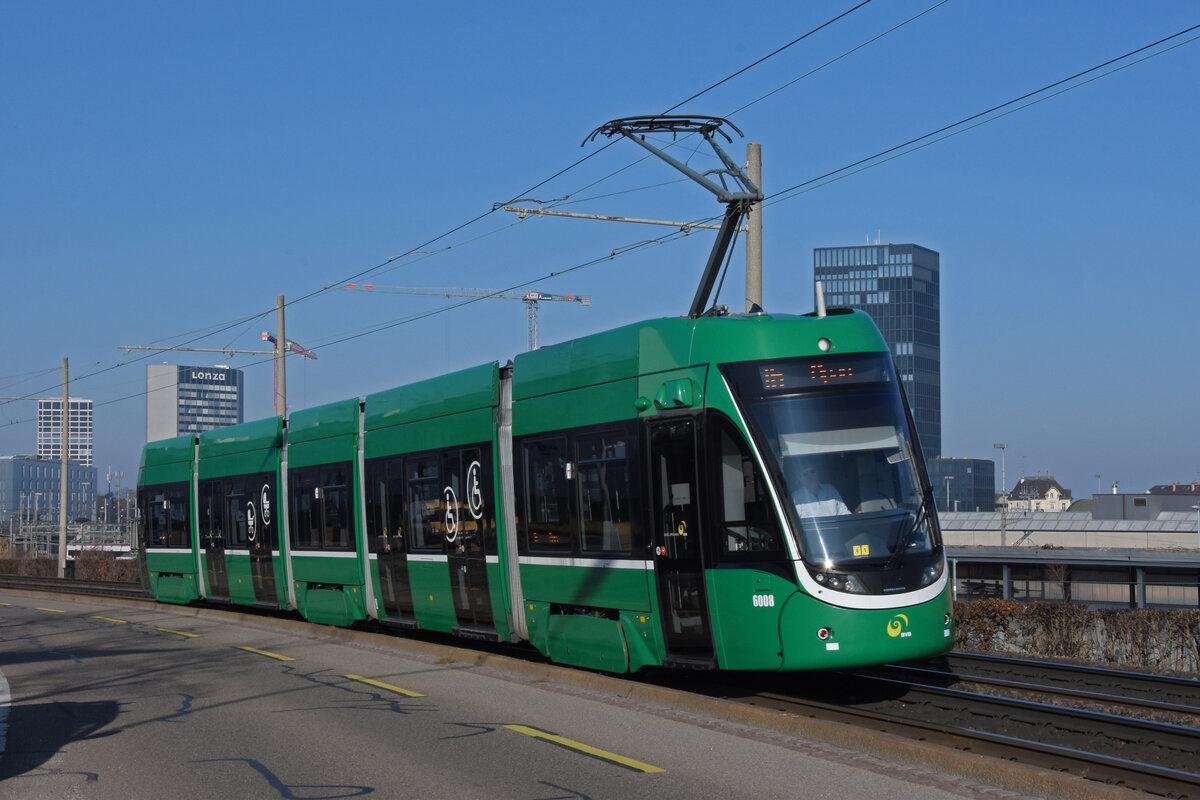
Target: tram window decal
(450, 514)
(474, 491)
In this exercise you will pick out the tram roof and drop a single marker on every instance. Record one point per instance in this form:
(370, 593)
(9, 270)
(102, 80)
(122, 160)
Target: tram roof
(660, 345)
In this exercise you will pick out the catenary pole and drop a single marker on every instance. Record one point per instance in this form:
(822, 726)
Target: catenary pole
(62, 485)
(280, 364)
(754, 231)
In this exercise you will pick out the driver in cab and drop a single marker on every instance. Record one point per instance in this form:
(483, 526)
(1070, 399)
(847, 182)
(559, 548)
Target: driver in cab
(813, 498)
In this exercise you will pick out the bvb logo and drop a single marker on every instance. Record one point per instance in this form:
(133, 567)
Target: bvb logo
(896, 626)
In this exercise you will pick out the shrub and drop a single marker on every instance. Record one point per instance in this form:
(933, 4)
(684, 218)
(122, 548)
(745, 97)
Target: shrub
(106, 568)
(1157, 640)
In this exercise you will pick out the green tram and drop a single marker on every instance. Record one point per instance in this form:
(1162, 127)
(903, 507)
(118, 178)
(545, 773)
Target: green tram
(738, 492)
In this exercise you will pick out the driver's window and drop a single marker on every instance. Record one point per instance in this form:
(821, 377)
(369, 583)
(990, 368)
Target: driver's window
(749, 522)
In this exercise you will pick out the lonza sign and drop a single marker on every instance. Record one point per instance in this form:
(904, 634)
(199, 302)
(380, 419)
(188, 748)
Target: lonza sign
(210, 376)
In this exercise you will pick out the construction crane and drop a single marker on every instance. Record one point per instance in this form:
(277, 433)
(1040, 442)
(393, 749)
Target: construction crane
(530, 298)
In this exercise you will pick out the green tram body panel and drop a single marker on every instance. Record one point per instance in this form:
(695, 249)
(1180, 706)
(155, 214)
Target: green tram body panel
(167, 461)
(466, 390)
(329, 588)
(171, 576)
(252, 448)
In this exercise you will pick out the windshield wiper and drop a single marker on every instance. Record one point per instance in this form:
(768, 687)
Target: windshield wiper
(907, 537)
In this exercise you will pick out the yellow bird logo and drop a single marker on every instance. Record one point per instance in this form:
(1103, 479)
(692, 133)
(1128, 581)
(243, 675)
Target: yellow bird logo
(897, 624)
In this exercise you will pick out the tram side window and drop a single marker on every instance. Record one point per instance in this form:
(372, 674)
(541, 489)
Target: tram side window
(750, 526)
(305, 521)
(394, 518)
(236, 523)
(320, 498)
(547, 498)
(211, 500)
(604, 494)
(178, 516)
(335, 495)
(165, 506)
(238, 508)
(385, 505)
(425, 512)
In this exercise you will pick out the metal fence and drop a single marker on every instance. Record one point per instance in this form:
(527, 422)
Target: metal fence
(40, 540)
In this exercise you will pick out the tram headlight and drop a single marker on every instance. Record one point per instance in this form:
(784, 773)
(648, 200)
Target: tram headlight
(841, 583)
(854, 585)
(931, 573)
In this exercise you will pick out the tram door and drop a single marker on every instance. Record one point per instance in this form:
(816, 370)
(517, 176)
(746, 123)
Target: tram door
(678, 564)
(249, 509)
(470, 531)
(212, 539)
(385, 514)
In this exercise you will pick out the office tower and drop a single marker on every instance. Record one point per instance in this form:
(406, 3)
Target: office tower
(899, 286)
(182, 400)
(963, 484)
(49, 430)
(29, 490)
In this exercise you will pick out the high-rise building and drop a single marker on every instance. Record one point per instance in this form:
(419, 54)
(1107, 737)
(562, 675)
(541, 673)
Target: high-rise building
(49, 430)
(30, 486)
(899, 285)
(182, 400)
(963, 484)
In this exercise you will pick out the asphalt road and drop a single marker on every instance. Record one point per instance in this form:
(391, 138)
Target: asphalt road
(104, 700)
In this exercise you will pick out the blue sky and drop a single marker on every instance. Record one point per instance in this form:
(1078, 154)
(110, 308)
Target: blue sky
(169, 168)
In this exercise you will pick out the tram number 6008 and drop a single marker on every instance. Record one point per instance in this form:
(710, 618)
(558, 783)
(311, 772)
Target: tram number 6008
(764, 601)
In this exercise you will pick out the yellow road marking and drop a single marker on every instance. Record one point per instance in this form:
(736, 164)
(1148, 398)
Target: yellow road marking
(639, 766)
(110, 619)
(265, 653)
(53, 610)
(383, 685)
(179, 633)
(5, 604)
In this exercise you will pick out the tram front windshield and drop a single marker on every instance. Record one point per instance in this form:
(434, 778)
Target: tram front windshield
(839, 446)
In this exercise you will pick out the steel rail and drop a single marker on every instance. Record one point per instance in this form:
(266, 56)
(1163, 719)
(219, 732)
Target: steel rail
(73, 586)
(1165, 692)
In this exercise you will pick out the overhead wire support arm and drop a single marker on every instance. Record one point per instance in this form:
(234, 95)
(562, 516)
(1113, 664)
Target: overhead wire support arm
(546, 212)
(737, 203)
(228, 351)
(529, 296)
(636, 128)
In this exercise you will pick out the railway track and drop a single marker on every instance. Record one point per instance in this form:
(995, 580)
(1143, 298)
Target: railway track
(1159, 698)
(73, 586)
(1129, 729)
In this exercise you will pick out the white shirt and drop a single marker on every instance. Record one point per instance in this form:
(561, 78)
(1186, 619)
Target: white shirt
(825, 502)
